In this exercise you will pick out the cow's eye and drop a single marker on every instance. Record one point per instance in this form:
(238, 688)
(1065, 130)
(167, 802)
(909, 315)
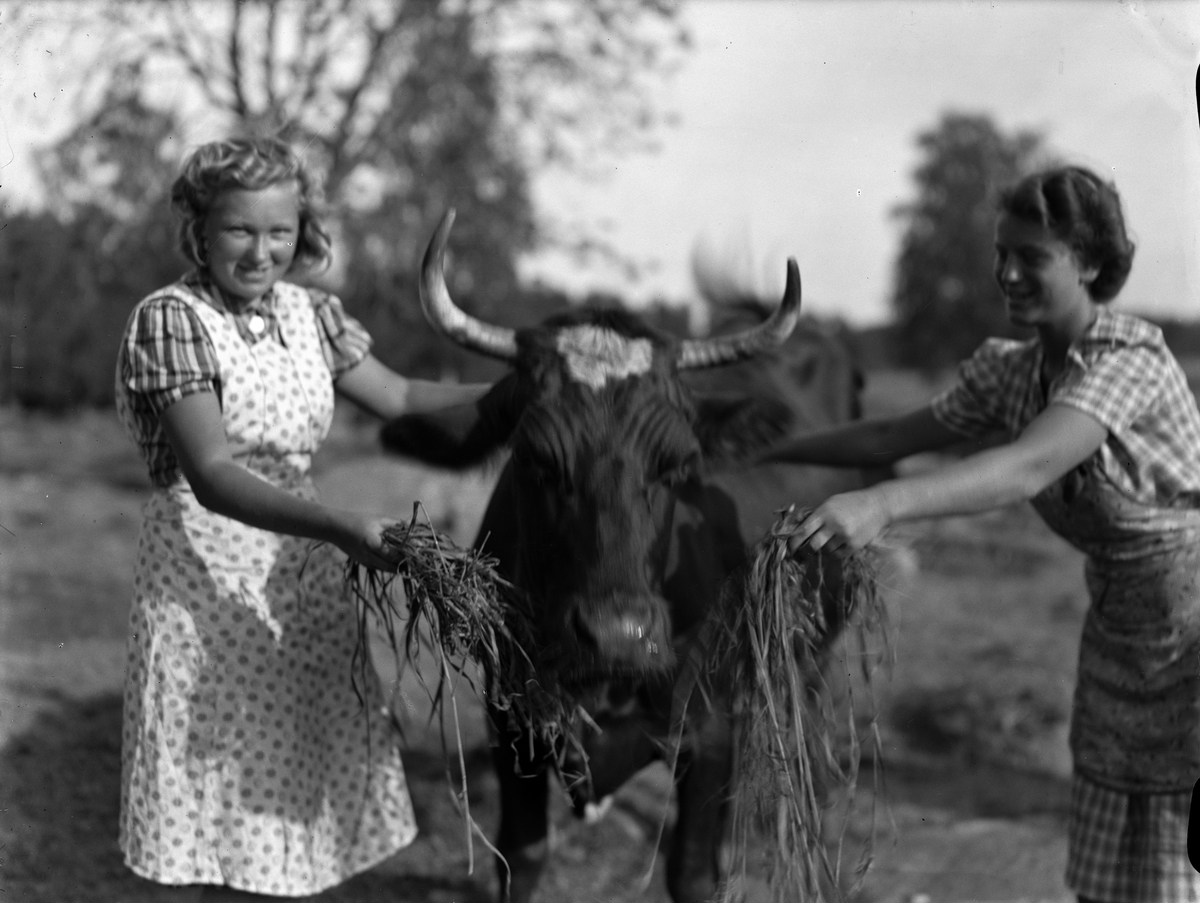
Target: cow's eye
(545, 469)
(674, 471)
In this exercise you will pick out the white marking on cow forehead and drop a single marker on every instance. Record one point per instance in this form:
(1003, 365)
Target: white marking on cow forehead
(594, 355)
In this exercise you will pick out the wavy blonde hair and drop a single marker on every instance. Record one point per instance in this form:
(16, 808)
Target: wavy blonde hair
(250, 164)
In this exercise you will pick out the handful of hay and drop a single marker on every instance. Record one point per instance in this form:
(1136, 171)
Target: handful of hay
(767, 643)
(457, 606)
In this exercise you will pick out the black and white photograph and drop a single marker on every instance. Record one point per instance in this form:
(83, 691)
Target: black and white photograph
(598, 451)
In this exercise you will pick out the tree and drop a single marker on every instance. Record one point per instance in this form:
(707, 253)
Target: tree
(70, 274)
(407, 106)
(945, 297)
(570, 75)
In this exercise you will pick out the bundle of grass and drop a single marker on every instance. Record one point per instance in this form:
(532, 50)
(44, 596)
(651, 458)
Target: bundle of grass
(458, 608)
(767, 644)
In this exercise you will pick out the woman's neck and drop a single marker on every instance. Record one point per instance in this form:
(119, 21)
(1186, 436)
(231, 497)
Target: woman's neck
(1057, 338)
(230, 302)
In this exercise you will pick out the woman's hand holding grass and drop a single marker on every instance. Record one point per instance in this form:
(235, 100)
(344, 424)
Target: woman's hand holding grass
(843, 523)
(362, 537)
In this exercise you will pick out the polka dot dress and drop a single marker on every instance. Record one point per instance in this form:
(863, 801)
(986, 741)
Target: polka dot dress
(248, 758)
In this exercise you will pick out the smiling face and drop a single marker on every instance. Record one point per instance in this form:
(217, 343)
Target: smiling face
(1043, 283)
(251, 238)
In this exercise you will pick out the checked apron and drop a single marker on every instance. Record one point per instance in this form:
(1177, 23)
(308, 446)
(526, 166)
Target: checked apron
(248, 757)
(1136, 716)
(1135, 724)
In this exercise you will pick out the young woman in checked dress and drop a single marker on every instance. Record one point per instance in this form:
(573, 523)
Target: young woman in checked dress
(1104, 439)
(249, 762)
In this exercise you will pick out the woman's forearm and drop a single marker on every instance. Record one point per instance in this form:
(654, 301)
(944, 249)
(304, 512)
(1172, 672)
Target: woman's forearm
(989, 479)
(427, 395)
(195, 428)
(228, 489)
(855, 519)
(1057, 440)
(863, 443)
(387, 394)
(866, 443)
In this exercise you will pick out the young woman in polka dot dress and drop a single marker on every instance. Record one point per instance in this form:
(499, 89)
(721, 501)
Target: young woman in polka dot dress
(249, 761)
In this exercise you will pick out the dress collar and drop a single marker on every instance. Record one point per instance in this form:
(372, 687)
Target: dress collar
(212, 293)
(254, 320)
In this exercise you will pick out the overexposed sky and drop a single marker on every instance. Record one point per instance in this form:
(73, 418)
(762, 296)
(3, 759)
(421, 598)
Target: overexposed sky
(797, 121)
(796, 136)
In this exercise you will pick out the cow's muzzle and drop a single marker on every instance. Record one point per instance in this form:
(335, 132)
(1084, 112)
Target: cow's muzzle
(621, 635)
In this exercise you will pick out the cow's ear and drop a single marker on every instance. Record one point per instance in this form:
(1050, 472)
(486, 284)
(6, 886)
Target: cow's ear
(461, 436)
(732, 430)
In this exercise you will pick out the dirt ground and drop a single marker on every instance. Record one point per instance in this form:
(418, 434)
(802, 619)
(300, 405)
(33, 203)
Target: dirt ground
(973, 716)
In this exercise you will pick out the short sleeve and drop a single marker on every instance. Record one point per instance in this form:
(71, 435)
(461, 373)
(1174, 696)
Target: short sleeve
(975, 405)
(344, 341)
(1118, 384)
(166, 353)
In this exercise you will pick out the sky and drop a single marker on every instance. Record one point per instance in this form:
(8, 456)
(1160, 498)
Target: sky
(797, 126)
(795, 136)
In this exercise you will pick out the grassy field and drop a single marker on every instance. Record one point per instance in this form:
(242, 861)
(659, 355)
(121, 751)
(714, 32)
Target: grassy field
(973, 715)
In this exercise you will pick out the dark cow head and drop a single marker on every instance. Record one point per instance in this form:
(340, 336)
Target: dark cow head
(604, 436)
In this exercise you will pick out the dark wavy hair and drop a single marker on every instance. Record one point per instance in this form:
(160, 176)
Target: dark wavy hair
(250, 164)
(1083, 212)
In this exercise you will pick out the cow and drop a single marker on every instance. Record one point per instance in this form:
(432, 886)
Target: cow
(614, 518)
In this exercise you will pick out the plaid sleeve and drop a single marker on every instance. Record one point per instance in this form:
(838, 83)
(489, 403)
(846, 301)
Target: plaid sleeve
(975, 404)
(1117, 385)
(167, 353)
(344, 341)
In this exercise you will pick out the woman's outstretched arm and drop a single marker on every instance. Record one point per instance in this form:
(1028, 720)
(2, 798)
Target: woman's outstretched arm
(194, 427)
(867, 443)
(1057, 440)
(377, 388)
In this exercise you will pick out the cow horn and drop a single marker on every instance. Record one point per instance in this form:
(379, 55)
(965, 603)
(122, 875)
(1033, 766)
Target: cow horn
(447, 317)
(697, 353)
